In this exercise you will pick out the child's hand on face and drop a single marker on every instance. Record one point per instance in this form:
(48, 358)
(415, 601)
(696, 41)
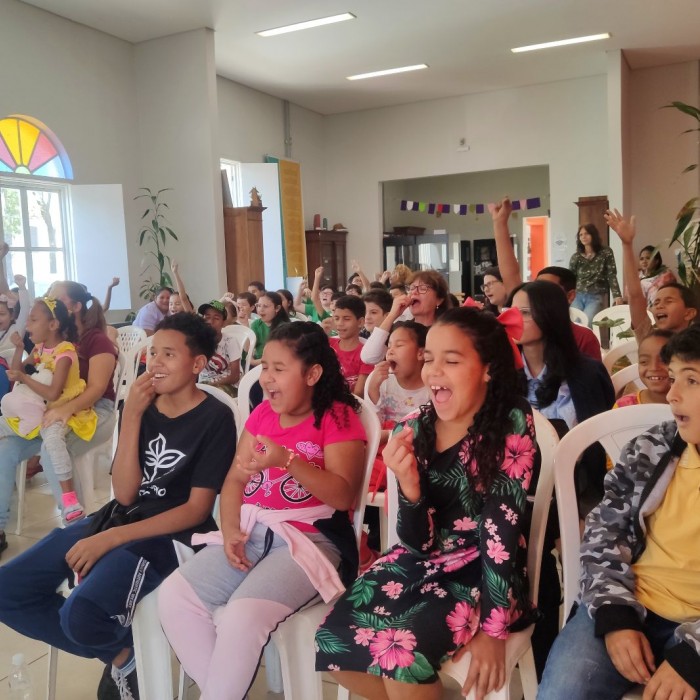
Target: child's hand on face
(382, 370)
(21, 281)
(399, 305)
(17, 340)
(141, 394)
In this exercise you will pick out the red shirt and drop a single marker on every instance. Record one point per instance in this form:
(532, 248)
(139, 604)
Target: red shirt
(96, 342)
(351, 364)
(586, 341)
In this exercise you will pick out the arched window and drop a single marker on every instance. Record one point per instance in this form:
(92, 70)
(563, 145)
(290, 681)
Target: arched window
(29, 147)
(33, 208)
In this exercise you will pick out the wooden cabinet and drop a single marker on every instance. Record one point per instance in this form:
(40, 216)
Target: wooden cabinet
(327, 248)
(243, 237)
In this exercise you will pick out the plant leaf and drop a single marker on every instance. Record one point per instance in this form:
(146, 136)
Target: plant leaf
(685, 108)
(330, 643)
(682, 225)
(419, 670)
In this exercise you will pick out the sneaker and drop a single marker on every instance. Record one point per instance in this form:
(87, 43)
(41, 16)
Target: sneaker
(127, 684)
(72, 509)
(115, 685)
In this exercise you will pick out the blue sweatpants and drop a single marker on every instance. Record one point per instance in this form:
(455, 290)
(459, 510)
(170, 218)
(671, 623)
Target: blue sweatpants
(95, 620)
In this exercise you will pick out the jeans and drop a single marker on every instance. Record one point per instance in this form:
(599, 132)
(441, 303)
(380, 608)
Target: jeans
(14, 449)
(95, 620)
(579, 668)
(589, 303)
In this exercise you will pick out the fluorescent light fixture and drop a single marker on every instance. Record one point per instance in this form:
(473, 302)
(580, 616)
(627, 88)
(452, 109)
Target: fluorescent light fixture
(307, 25)
(562, 42)
(388, 71)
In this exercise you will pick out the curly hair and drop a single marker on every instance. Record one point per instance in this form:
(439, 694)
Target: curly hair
(436, 281)
(310, 345)
(492, 422)
(66, 323)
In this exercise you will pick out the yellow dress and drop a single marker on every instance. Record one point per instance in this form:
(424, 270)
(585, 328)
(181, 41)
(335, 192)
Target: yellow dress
(83, 423)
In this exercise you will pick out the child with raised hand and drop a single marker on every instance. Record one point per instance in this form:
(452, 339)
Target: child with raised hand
(52, 330)
(456, 581)
(284, 526)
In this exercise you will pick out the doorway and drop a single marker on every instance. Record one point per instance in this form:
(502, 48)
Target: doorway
(535, 246)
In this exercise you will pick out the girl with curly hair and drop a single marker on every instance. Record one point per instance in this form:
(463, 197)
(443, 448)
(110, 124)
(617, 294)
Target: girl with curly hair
(286, 536)
(456, 581)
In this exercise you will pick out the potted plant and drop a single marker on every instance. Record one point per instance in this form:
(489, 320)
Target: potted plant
(687, 232)
(152, 238)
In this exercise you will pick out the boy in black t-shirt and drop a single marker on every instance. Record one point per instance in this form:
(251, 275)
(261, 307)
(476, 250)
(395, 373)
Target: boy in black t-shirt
(175, 447)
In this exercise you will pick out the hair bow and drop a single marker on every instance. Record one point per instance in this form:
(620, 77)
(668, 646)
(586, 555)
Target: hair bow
(512, 321)
(9, 299)
(473, 303)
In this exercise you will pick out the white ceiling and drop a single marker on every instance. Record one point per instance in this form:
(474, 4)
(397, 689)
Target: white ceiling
(466, 43)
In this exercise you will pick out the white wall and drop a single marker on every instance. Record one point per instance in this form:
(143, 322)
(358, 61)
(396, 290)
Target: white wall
(179, 148)
(659, 150)
(562, 125)
(251, 126)
(79, 82)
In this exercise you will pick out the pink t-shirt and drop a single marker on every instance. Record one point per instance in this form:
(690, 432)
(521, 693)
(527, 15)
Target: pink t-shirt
(277, 489)
(629, 400)
(351, 363)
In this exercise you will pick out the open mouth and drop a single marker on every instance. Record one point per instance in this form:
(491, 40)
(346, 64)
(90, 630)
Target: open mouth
(440, 394)
(392, 366)
(681, 420)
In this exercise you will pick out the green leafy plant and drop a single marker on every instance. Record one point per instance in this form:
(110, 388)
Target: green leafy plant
(687, 232)
(152, 238)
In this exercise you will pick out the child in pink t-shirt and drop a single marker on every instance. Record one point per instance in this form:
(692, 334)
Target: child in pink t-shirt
(349, 319)
(286, 534)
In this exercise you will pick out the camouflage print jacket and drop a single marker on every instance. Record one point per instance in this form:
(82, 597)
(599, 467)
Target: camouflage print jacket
(615, 537)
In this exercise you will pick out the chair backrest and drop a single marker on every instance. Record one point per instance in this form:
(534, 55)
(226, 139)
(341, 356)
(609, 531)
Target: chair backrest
(628, 348)
(298, 316)
(366, 393)
(246, 339)
(578, 316)
(613, 429)
(244, 387)
(547, 440)
(626, 375)
(129, 337)
(373, 429)
(227, 401)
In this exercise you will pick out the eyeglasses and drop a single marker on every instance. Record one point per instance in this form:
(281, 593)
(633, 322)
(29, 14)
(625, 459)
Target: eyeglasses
(419, 288)
(485, 287)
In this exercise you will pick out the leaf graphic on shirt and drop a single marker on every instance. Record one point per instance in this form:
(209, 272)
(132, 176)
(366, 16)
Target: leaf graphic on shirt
(159, 459)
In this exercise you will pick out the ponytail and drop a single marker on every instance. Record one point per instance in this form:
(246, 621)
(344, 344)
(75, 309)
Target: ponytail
(91, 314)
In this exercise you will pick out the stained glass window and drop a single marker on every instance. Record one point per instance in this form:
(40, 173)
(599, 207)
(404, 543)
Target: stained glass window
(29, 147)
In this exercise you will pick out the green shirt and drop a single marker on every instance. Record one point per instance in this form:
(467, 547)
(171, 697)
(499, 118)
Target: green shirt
(598, 275)
(312, 314)
(262, 333)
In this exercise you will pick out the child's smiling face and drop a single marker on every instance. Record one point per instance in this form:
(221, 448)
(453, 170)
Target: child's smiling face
(403, 354)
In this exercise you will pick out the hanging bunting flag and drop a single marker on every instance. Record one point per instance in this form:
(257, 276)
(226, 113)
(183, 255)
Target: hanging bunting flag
(464, 209)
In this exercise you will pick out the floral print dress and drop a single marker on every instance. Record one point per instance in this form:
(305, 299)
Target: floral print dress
(460, 566)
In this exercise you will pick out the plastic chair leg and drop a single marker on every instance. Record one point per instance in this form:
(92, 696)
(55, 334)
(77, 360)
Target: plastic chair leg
(273, 668)
(52, 674)
(21, 482)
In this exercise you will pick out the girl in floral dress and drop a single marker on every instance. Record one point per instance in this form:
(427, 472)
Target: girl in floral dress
(456, 582)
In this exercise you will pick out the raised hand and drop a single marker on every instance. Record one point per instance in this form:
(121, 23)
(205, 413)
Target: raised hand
(17, 340)
(626, 229)
(355, 266)
(318, 273)
(21, 281)
(115, 282)
(502, 211)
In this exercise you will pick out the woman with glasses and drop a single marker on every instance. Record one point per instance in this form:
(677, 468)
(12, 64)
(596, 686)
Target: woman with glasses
(494, 290)
(427, 298)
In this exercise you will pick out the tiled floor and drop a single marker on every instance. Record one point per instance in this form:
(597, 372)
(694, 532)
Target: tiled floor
(77, 677)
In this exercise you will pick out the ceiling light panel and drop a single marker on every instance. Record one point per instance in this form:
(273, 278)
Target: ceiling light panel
(388, 71)
(561, 42)
(307, 25)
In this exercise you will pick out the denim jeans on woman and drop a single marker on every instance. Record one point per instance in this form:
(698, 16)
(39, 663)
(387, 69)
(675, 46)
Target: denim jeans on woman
(14, 449)
(590, 303)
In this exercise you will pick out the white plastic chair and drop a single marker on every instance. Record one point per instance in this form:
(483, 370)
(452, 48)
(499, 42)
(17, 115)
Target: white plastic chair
(613, 429)
(244, 387)
(628, 349)
(518, 646)
(246, 339)
(153, 656)
(615, 313)
(626, 375)
(294, 638)
(129, 337)
(578, 316)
